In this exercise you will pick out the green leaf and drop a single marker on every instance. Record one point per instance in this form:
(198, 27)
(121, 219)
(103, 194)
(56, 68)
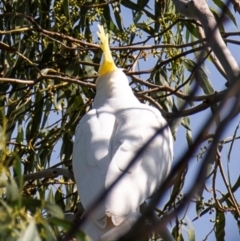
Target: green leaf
(48, 231)
(137, 16)
(222, 6)
(175, 125)
(199, 206)
(50, 197)
(46, 54)
(217, 17)
(191, 232)
(146, 28)
(54, 210)
(74, 97)
(88, 70)
(204, 83)
(186, 122)
(220, 226)
(189, 138)
(35, 204)
(47, 109)
(18, 171)
(133, 6)
(177, 234)
(203, 80)
(20, 135)
(230, 206)
(157, 25)
(117, 14)
(61, 223)
(66, 148)
(143, 3)
(106, 20)
(176, 190)
(160, 78)
(59, 198)
(66, 8)
(37, 115)
(72, 68)
(31, 233)
(59, 99)
(187, 90)
(12, 190)
(83, 18)
(191, 29)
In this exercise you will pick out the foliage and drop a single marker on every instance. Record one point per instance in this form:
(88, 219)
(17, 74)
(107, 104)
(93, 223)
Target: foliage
(49, 59)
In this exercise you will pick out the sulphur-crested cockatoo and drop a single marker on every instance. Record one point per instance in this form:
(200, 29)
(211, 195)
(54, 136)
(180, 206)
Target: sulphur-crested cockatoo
(107, 139)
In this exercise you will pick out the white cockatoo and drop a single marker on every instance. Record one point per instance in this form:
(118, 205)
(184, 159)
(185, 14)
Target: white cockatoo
(106, 140)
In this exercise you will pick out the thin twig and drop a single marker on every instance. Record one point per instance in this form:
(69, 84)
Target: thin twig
(226, 183)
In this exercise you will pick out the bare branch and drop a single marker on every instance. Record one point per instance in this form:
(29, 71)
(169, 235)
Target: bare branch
(49, 173)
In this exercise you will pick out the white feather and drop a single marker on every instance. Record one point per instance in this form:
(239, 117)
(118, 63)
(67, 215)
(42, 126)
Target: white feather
(107, 139)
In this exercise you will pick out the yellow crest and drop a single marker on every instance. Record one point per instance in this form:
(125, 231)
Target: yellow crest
(107, 64)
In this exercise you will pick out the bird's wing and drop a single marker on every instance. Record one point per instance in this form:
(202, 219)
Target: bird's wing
(126, 140)
(134, 128)
(88, 144)
(127, 150)
(91, 159)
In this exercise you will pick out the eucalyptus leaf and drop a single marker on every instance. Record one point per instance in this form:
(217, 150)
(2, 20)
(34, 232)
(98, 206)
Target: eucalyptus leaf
(220, 226)
(12, 191)
(222, 5)
(31, 233)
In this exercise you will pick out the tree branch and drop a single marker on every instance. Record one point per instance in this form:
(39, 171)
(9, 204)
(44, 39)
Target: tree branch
(199, 10)
(49, 173)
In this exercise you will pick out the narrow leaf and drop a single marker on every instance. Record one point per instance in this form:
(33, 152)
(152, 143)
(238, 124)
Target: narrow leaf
(118, 15)
(31, 233)
(222, 5)
(54, 210)
(191, 232)
(220, 226)
(233, 139)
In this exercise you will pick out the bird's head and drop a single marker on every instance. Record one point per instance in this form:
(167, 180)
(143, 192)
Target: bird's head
(107, 64)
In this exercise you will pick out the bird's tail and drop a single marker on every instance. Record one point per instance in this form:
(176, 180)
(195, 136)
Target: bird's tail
(110, 232)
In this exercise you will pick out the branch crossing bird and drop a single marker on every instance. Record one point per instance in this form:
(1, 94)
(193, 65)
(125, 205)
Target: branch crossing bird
(107, 138)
